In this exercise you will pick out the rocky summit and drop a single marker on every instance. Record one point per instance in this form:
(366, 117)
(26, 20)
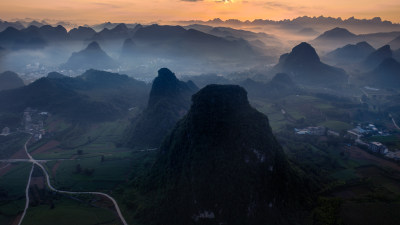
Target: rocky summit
(168, 102)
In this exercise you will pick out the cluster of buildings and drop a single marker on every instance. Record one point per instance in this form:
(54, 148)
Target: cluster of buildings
(356, 134)
(367, 130)
(317, 131)
(32, 122)
(376, 147)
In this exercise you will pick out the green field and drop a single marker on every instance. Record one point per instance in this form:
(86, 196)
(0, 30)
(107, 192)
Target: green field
(93, 141)
(391, 141)
(11, 144)
(306, 110)
(67, 212)
(337, 126)
(106, 174)
(370, 213)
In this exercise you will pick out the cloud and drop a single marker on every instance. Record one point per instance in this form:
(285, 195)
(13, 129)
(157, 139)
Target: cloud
(275, 5)
(107, 5)
(191, 0)
(224, 1)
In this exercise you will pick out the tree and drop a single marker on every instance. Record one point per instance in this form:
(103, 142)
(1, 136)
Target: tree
(88, 172)
(78, 168)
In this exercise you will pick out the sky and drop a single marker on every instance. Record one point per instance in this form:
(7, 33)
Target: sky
(97, 11)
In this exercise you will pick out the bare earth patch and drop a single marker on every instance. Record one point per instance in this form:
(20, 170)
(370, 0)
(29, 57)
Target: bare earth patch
(357, 153)
(46, 147)
(16, 220)
(39, 181)
(5, 170)
(20, 154)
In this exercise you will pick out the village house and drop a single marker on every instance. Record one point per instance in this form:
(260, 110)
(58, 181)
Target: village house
(5, 131)
(318, 131)
(353, 135)
(332, 133)
(378, 147)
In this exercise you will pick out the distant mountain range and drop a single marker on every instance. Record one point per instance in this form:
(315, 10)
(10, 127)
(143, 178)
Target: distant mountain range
(338, 37)
(32, 37)
(220, 164)
(81, 33)
(110, 26)
(4, 25)
(168, 42)
(231, 33)
(299, 21)
(21, 24)
(302, 21)
(121, 31)
(92, 96)
(10, 80)
(12, 38)
(168, 102)
(303, 65)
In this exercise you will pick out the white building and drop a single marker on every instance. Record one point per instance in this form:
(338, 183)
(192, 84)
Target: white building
(5, 131)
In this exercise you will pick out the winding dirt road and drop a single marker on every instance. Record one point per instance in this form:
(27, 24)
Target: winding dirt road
(36, 162)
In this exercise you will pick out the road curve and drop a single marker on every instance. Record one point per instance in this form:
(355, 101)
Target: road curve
(77, 193)
(8, 164)
(395, 124)
(35, 162)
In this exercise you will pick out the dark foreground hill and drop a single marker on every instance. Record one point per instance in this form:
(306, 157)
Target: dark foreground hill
(221, 164)
(168, 102)
(92, 96)
(10, 80)
(304, 66)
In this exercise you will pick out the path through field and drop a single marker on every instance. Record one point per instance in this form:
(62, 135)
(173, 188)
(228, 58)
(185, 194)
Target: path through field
(37, 162)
